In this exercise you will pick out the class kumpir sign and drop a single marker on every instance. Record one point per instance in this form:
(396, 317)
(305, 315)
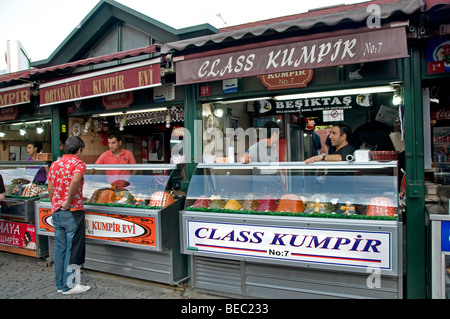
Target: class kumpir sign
(329, 103)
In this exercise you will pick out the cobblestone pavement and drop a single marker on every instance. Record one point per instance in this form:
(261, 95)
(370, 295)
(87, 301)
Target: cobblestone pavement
(23, 277)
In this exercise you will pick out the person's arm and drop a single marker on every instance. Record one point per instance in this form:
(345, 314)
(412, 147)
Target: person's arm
(50, 190)
(245, 159)
(328, 158)
(73, 189)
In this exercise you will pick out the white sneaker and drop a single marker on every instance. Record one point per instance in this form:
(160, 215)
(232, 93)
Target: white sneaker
(78, 289)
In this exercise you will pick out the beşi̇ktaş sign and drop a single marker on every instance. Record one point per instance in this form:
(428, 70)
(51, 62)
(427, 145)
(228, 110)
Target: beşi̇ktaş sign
(340, 50)
(328, 103)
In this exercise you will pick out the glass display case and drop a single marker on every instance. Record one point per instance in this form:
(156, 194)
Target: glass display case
(25, 182)
(350, 190)
(137, 186)
(440, 256)
(132, 220)
(294, 230)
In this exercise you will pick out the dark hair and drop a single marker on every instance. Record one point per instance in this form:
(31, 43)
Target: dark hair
(344, 128)
(114, 135)
(73, 144)
(271, 127)
(38, 145)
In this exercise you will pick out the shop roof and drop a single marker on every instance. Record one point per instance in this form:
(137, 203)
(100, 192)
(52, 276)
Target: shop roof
(101, 19)
(329, 17)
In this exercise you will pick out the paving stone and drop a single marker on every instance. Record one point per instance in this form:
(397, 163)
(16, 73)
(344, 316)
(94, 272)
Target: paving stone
(23, 277)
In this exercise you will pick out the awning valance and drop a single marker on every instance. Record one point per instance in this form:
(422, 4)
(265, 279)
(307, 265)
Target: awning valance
(303, 21)
(120, 79)
(99, 59)
(15, 95)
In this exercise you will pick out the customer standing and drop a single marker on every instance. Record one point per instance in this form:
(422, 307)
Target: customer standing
(65, 189)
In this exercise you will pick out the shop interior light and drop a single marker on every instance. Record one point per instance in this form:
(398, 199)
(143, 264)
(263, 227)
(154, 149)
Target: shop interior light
(397, 97)
(218, 111)
(157, 109)
(244, 100)
(40, 128)
(22, 131)
(368, 90)
(2, 132)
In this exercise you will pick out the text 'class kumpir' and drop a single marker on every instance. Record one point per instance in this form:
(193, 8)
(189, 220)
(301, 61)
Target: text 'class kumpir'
(357, 243)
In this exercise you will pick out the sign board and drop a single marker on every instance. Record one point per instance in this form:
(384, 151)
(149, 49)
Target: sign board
(438, 55)
(329, 103)
(18, 234)
(117, 101)
(127, 229)
(332, 51)
(287, 80)
(307, 245)
(15, 95)
(96, 84)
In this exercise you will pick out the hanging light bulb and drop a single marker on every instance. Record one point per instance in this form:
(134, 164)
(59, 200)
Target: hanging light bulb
(218, 111)
(40, 128)
(168, 119)
(22, 131)
(397, 98)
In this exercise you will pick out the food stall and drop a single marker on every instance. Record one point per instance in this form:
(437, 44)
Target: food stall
(17, 219)
(295, 230)
(131, 221)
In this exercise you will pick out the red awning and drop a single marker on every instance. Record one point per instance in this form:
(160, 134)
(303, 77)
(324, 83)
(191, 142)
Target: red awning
(98, 59)
(436, 4)
(26, 74)
(304, 21)
(15, 76)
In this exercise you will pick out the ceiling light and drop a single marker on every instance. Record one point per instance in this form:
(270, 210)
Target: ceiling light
(218, 111)
(244, 100)
(2, 134)
(158, 109)
(368, 90)
(397, 99)
(40, 128)
(22, 131)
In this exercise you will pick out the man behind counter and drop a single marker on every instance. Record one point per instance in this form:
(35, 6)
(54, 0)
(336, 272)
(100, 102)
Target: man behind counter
(116, 154)
(339, 136)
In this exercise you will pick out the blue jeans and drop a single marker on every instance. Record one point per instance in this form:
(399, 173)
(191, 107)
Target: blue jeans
(69, 246)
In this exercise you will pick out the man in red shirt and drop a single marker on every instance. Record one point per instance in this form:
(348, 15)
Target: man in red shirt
(116, 154)
(65, 189)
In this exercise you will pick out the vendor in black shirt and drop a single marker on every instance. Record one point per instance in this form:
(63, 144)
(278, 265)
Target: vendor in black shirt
(339, 135)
